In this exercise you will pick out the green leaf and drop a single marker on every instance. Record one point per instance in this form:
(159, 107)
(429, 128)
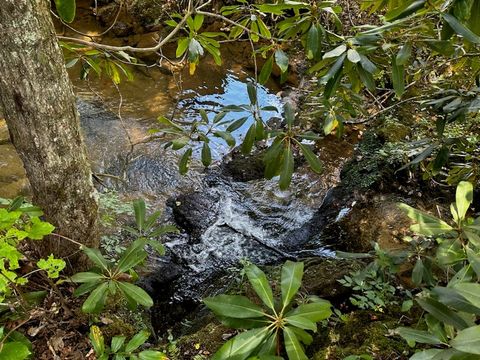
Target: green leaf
(312, 159)
(96, 300)
(234, 306)
(353, 56)
(132, 256)
(266, 71)
(198, 22)
(292, 345)
(85, 288)
(470, 291)
(39, 229)
(287, 168)
(464, 197)
(460, 29)
(96, 257)
(140, 210)
(417, 272)
(182, 46)
(405, 9)
(66, 9)
(260, 284)
(237, 124)
(468, 340)
(152, 355)
(252, 93)
(339, 50)
(243, 323)
(136, 293)
(117, 343)
(474, 261)
(427, 225)
(249, 140)
(137, 340)
(206, 155)
(442, 313)
(289, 112)
(52, 266)
(419, 336)
(452, 297)
(313, 42)
(281, 59)
(398, 77)
(404, 54)
(14, 350)
(301, 322)
(226, 136)
(184, 161)
(426, 354)
(315, 311)
(302, 335)
(292, 273)
(242, 345)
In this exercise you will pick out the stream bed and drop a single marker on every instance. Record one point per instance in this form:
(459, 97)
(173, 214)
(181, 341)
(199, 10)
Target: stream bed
(223, 218)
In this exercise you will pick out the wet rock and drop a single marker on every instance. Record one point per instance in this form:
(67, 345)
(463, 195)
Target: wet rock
(196, 211)
(244, 167)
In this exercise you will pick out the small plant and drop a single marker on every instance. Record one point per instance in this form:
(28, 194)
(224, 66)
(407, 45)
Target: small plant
(266, 328)
(14, 346)
(118, 350)
(112, 277)
(20, 221)
(452, 311)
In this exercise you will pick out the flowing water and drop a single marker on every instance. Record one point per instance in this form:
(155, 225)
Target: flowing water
(222, 220)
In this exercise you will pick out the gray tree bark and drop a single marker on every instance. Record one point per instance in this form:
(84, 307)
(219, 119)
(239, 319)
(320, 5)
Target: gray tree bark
(39, 106)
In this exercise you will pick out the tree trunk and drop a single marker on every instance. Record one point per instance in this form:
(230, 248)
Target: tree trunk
(39, 106)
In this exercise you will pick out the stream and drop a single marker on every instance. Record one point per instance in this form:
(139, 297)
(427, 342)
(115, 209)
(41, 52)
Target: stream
(223, 218)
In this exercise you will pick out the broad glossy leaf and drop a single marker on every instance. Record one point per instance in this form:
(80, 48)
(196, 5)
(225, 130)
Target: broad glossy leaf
(236, 323)
(470, 291)
(301, 322)
(468, 340)
(313, 42)
(426, 354)
(287, 168)
(302, 335)
(404, 54)
(136, 293)
(453, 298)
(463, 197)
(132, 256)
(417, 272)
(226, 136)
(249, 140)
(96, 300)
(442, 313)
(137, 340)
(292, 345)
(353, 56)
(460, 29)
(406, 8)
(311, 158)
(151, 355)
(185, 161)
(339, 50)
(242, 345)
(66, 9)
(281, 59)
(96, 257)
(260, 284)
(206, 154)
(398, 77)
(427, 224)
(85, 277)
(419, 336)
(234, 306)
(117, 343)
(292, 274)
(266, 71)
(315, 311)
(237, 124)
(252, 93)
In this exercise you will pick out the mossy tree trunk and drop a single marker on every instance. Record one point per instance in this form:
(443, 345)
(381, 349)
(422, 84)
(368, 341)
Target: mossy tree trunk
(40, 110)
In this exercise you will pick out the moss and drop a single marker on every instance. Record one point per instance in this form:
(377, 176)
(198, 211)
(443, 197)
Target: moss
(204, 342)
(362, 332)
